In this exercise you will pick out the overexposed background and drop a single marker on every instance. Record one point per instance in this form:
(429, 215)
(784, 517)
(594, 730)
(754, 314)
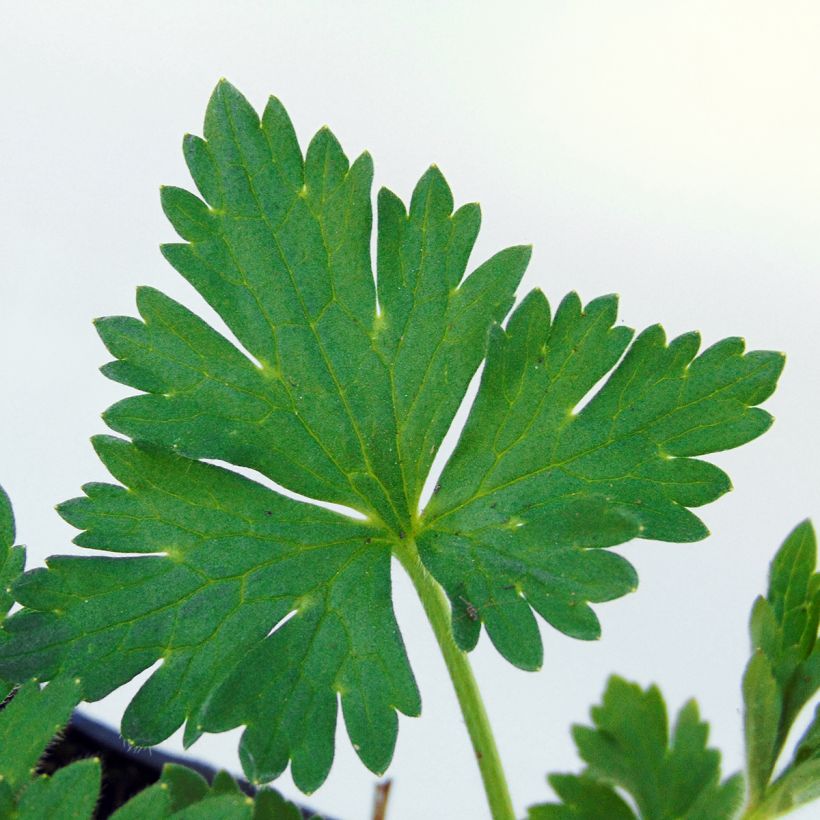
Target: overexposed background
(663, 150)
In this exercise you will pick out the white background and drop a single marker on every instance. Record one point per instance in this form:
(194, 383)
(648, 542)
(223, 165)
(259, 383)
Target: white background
(666, 151)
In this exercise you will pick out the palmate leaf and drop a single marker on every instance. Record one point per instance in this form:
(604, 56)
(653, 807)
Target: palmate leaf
(266, 611)
(630, 748)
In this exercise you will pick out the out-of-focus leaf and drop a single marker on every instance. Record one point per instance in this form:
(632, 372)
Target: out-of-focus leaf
(71, 793)
(629, 748)
(783, 673)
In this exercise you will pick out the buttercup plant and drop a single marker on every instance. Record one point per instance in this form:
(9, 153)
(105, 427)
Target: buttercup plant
(269, 611)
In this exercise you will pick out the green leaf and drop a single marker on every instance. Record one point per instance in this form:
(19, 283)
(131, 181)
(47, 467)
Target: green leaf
(236, 563)
(808, 747)
(796, 786)
(270, 612)
(12, 564)
(69, 794)
(270, 805)
(221, 807)
(800, 781)
(583, 798)
(784, 670)
(761, 722)
(7, 803)
(534, 484)
(29, 722)
(340, 404)
(153, 802)
(178, 788)
(184, 785)
(181, 792)
(629, 748)
(7, 530)
(224, 784)
(12, 559)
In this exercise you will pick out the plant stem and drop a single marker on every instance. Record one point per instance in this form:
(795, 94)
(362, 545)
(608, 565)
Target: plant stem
(437, 609)
(755, 813)
(766, 805)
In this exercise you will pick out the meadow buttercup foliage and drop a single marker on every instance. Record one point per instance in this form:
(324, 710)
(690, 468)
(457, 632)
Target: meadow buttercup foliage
(268, 612)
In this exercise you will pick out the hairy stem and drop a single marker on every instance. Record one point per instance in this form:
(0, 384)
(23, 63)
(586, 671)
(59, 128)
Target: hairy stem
(769, 803)
(469, 697)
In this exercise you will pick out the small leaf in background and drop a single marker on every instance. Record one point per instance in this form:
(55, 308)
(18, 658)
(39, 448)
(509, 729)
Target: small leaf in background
(184, 785)
(782, 676)
(151, 802)
(182, 793)
(270, 805)
(268, 612)
(584, 798)
(69, 794)
(762, 701)
(12, 564)
(629, 748)
(7, 530)
(29, 722)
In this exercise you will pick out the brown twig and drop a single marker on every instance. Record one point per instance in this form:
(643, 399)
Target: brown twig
(380, 799)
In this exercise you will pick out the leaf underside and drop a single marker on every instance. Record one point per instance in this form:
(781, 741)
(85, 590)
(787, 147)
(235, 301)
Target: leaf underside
(270, 612)
(629, 748)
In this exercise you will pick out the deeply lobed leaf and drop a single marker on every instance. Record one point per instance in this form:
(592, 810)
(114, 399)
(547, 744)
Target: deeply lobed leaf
(266, 611)
(342, 403)
(238, 558)
(535, 484)
(629, 748)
